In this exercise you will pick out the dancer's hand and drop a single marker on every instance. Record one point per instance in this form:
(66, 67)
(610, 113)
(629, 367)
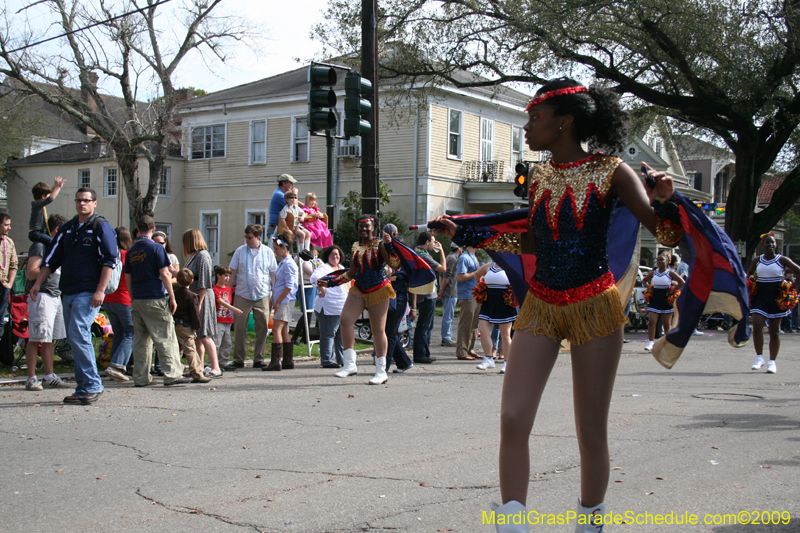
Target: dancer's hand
(449, 228)
(387, 238)
(322, 284)
(664, 187)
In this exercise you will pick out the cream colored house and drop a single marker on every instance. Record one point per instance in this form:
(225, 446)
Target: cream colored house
(453, 154)
(89, 165)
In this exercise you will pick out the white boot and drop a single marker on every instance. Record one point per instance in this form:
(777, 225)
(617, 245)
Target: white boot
(590, 519)
(510, 518)
(380, 372)
(349, 368)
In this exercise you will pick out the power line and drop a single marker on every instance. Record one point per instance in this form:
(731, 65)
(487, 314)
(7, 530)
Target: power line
(37, 43)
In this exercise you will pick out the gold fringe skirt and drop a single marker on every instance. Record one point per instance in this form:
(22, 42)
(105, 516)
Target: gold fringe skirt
(595, 317)
(374, 297)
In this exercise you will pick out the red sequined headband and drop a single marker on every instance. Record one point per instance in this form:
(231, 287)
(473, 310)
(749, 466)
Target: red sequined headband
(558, 92)
(367, 220)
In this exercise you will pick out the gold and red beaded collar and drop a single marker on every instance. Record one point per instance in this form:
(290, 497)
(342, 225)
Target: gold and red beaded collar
(573, 164)
(558, 92)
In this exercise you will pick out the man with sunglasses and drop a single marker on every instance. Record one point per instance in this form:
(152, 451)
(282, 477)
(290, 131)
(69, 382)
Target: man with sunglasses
(86, 250)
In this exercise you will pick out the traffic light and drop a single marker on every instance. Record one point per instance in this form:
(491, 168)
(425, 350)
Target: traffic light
(320, 98)
(356, 108)
(521, 179)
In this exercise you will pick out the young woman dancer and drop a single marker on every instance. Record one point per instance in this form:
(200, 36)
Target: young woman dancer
(573, 293)
(662, 277)
(372, 290)
(496, 310)
(769, 268)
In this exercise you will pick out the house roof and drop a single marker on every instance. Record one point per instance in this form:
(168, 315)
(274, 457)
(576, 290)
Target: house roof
(768, 188)
(68, 153)
(295, 83)
(50, 121)
(80, 152)
(692, 148)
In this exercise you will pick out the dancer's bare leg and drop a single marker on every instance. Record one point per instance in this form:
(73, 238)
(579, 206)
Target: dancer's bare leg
(594, 367)
(377, 321)
(758, 332)
(353, 307)
(527, 371)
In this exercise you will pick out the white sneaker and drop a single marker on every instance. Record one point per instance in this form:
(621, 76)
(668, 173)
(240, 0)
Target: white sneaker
(772, 368)
(697, 332)
(503, 370)
(649, 346)
(33, 384)
(759, 363)
(116, 374)
(54, 383)
(488, 362)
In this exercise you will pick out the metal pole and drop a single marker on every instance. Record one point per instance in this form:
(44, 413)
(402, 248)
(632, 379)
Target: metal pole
(369, 176)
(331, 189)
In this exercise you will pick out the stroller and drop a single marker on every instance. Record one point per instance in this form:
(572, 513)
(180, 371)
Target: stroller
(364, 328)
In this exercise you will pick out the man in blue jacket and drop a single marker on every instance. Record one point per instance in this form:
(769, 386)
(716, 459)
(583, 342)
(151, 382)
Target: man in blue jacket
(86, 250)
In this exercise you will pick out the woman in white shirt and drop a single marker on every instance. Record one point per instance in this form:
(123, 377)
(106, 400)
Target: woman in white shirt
(328, 307)
(496, 310)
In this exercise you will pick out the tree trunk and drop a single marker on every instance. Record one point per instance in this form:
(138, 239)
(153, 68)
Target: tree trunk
(742, 198)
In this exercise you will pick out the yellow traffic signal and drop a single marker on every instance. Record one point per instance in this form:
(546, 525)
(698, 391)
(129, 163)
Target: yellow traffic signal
(521, 179)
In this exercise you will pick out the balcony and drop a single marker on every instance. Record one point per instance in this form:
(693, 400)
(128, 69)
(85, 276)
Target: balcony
(483, 171)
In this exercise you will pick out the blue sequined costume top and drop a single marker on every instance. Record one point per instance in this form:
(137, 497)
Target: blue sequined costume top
(570, 215)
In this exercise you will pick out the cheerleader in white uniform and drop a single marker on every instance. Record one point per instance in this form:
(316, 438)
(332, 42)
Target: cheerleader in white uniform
(769, 268)
(496, 310)
(662, 279)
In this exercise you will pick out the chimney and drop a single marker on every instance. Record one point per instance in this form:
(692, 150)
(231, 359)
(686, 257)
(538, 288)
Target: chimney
(183, 95)
(88, 100)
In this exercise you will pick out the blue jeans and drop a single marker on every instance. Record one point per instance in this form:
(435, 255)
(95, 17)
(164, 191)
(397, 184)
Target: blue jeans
(36, 235)
(394, 350)
(447, 317)
(496, 340)
(330, 336)
(422, 334)
(78, 317)
(122, 324)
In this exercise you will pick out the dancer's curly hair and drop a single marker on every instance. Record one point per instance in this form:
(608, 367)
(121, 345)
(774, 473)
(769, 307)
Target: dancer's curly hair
(599, 118)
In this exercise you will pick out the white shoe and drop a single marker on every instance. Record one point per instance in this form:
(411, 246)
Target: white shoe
(380, 372)
(510, 518)
(697, 332)
(488, 362)
(759, 363)
(586, 521)
(116, 374)
(349, 368)
(772, 368)
(649, 346)
(503, 370)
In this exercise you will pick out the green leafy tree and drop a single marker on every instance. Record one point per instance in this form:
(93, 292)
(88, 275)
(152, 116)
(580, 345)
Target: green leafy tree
(726, 68)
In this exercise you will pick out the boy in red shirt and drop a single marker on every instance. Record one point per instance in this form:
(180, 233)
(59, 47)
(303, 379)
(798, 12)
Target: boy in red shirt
(225, 312)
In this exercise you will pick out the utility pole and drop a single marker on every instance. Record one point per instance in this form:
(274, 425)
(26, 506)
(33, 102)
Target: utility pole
(369, 142)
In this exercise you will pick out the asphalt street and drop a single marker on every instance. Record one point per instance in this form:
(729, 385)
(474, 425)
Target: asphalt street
(303, 451)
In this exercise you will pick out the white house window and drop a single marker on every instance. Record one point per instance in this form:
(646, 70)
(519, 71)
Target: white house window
(256, 217)
(208, 142)
(164, 228)
(299, 139)
(84, 178)
(164, 182)
(454, 135)
(209, 227)
(258, 142)
(516, 145)
(487, 139)
(110, 183)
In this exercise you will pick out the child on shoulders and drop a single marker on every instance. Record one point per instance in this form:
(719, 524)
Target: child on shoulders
(43, 195)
